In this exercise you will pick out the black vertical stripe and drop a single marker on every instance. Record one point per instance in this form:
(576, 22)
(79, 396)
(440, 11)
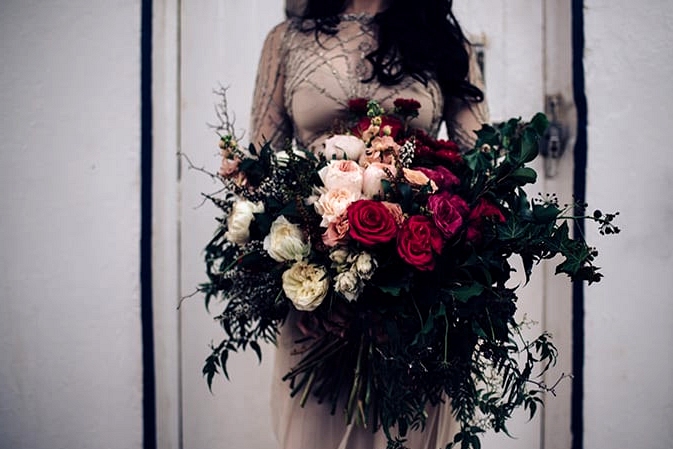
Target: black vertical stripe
(579, 190)
(149, 388)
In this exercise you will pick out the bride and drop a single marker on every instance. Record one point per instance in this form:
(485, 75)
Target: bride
(310, 66)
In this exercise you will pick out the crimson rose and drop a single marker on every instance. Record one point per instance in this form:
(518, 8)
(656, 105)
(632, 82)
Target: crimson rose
(418, 241)
(371, 222)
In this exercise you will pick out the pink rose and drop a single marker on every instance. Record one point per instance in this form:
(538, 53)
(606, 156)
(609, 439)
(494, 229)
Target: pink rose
(229, 167)
(337, 231)
(339, 174)
(447, 212)
(372, 177)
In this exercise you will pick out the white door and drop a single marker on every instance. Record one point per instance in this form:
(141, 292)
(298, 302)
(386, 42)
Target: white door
(202, 44)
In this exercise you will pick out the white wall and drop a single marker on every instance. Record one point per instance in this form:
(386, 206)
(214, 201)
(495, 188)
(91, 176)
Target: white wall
(629, 315)
(70, 357)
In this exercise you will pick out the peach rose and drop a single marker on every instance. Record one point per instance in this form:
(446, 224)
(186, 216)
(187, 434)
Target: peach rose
(418, 179)
(333, 203)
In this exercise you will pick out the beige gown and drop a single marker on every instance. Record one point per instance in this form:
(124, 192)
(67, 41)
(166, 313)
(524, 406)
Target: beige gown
(302, 87)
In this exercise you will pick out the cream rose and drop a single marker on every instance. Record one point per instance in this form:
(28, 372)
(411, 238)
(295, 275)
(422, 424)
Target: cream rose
(372, 177)
(333, 203)
(286, 241)
(348, 284)
(306, 285)
(238, 222)
(365, 265)
(344, 146)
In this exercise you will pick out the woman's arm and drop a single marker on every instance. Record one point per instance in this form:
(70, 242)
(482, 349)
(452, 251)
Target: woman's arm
(269, 119)
(463, 117)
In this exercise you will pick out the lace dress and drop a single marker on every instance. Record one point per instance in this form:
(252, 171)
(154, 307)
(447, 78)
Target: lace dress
(302, 89)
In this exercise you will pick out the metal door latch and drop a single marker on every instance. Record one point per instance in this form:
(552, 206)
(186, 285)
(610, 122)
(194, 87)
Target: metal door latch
(553, 143)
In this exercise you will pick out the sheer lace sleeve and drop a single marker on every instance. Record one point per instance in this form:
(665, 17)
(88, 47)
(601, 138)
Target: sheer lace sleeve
(269, 119)
(463, 118)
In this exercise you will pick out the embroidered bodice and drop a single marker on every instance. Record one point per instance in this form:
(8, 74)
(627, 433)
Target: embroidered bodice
(303, 84)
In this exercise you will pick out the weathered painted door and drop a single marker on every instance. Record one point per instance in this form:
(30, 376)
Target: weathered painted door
(202, 44)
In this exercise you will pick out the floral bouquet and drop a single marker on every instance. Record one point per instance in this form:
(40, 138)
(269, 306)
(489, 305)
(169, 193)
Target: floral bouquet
(391, 251)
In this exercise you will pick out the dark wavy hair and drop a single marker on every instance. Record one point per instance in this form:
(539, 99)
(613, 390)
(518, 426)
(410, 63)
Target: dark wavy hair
(418, 38)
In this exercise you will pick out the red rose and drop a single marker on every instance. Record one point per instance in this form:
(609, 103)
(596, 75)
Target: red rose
(371, 222)
(418, 241)
(484, 210)
(447, 212)
(442, 176)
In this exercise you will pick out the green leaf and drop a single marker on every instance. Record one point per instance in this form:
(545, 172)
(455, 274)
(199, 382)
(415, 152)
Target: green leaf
(545, 213)
(539, 123)
(464, 293)
(529, 145)
(524, 175)
(255, 347)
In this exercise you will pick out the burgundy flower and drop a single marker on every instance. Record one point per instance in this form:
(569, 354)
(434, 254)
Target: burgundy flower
(407, 107)
(438, 151)
(448, 212)
(483, 211)
(358, 106)
(442, 177)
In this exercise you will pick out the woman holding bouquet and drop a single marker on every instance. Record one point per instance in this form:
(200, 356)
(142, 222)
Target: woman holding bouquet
(310, 67)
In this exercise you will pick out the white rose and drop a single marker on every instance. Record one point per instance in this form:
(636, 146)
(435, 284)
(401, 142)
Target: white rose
(365, 265)
(333, 203)
(306, 285)
(339, 255)
(344, 147)
(286, 241)
(372, 177)
(348, 284)
(283, 157)
(342, 175)
(238, 222)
